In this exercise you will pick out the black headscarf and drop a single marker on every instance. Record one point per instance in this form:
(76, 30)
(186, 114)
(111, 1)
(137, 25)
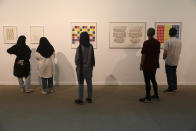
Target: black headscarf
(45, 48)
(21, 49)
(21, 42)
(84, 39)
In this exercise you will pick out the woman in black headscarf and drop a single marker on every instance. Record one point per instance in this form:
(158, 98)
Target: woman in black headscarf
(46, 66)
(85, 61)
(22, 64)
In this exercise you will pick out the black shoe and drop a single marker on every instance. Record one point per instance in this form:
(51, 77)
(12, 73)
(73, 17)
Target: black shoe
(78, 101)
(89, 100)
(169, 90)
(155, 97)
(145, 100)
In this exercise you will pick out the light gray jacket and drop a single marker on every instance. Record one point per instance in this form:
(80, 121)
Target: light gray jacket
(45, 66)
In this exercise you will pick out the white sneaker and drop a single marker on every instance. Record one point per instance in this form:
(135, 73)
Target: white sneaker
(44, 92)
(28, 90)
(51, 90)
(22, 90)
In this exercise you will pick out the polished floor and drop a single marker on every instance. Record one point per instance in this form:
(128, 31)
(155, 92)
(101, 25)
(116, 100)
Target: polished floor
(115, 108)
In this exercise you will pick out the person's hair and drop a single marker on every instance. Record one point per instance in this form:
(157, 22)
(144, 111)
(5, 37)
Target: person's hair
(151, 32)
(172, 32)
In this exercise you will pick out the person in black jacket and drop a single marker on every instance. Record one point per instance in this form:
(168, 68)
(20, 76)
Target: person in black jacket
(149, 64)
(22, 64)
(85, 61)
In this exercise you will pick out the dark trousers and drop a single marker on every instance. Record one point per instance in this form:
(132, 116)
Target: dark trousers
(171, 77)
(47, 83)
(150, 76)
(89, 88)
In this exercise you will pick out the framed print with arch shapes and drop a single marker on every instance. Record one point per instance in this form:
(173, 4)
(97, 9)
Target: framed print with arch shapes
(127, 35)
(162, 30)
(10, 34)
(78, 27)
(36, 32)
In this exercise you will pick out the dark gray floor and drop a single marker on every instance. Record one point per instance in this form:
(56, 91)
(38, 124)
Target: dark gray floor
(116, 108)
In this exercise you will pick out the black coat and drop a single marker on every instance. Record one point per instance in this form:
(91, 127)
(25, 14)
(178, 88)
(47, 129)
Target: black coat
(88, 61)
(23, 53)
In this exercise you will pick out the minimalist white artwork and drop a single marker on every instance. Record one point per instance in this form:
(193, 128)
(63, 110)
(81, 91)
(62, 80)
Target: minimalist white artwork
(10, 34)
(78, 27)
(127, 34)
(36, 32)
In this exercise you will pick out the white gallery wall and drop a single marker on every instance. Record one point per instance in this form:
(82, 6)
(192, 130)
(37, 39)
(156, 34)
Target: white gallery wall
(113, 66)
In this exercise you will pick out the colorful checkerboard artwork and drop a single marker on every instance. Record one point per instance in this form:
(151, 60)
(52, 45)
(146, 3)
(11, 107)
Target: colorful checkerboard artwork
(162, 31)
(78, 28)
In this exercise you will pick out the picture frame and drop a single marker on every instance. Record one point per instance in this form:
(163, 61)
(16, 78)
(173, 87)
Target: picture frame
(162, 31)
(78, 27)
(10, 34)
(36, 32)
(127, 35)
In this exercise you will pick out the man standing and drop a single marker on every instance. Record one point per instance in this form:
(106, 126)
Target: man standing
(149, 64)
(172, 49)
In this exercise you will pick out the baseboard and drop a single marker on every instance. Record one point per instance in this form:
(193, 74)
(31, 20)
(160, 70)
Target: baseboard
(101, 83)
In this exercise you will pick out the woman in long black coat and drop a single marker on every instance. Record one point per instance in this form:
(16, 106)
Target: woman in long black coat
(22, 64)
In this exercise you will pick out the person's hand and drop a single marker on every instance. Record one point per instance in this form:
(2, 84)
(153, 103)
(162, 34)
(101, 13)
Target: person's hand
(141, 67)
(20, 62)
(164, 56)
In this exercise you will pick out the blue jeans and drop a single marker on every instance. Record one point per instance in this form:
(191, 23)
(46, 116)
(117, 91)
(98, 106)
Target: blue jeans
(47, 83)
(81, 87)
(171, 77)
(27, 82)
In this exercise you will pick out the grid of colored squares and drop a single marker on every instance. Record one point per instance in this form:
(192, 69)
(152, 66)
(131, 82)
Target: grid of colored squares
(77, 30)
(163, 32)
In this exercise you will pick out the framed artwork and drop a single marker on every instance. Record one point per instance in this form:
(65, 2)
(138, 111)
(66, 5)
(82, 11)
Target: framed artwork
(10, 34)
(36, 32)
(78, 27)
(162, 30)
(127, 34)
